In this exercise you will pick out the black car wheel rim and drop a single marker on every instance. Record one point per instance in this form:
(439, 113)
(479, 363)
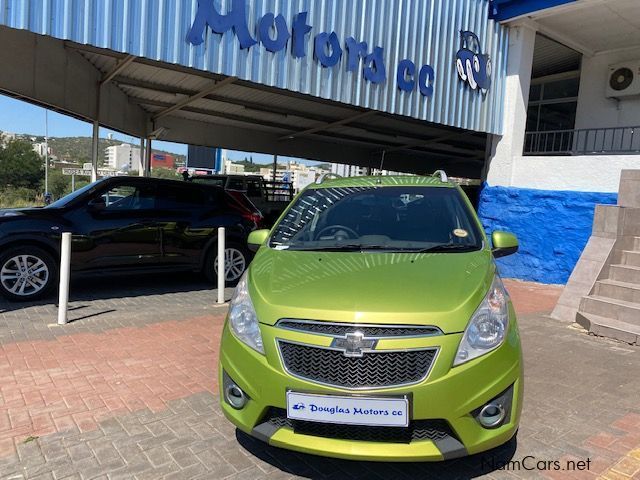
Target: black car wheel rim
(24, 275)
(235, 264)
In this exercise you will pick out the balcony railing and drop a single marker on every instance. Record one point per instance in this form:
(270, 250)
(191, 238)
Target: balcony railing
(586, 141)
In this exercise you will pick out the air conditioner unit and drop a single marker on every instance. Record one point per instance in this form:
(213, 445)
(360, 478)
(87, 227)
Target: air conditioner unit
(624, 79)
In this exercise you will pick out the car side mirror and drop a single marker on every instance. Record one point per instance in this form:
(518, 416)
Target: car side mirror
(256, 239)
(504, 243)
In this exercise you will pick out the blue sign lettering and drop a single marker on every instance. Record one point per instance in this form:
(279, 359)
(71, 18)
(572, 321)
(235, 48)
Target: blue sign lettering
(235, 19)
(355, 51)
(273, 33)
(300, 30)
(425, 81)
(375, 72)
(282, 32)
(406, 68)
(327, 49)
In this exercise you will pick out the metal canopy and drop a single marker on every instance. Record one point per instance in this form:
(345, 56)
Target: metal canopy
(170, 91)
(197, 107)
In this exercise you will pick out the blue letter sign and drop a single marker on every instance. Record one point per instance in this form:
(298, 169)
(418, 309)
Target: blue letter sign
(282, 32)
(235, 19)
(272, 31)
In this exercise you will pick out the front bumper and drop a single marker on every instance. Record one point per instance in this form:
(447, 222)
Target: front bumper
(449, 396)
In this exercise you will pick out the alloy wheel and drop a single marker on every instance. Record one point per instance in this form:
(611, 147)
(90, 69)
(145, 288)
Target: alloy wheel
(235, 264)
(24, 275)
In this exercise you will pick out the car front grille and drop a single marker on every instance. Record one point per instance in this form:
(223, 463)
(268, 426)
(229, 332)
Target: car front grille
(417, 430)
(369, 331)
(374, 369)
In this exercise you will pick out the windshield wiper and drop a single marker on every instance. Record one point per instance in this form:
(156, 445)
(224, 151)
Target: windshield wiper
(348, 247)
(448, 247)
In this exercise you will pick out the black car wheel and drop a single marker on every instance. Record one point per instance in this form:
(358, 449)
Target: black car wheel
(26, 273)
(236, 262)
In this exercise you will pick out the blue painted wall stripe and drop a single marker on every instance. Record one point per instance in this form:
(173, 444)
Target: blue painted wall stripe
(552, 227)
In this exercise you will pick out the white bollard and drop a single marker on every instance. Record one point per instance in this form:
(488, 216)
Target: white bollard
(221, 265)
(65, 267)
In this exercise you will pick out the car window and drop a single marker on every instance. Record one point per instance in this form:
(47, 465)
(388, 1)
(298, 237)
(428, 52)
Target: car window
(402, 218)
(235, 184)
(217, 181)
(127, 197)
(254, 188)
(68, 199)
(181, 197)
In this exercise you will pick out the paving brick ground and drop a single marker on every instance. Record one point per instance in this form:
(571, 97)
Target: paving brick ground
(128, 390)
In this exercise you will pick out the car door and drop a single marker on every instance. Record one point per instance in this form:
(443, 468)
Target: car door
(118, 227)
(185, 221)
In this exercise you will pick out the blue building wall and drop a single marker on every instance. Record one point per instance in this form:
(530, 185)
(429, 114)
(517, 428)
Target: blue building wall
(553, 228)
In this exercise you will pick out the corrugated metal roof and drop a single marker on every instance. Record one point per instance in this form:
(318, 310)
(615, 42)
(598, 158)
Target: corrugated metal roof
(424, 31)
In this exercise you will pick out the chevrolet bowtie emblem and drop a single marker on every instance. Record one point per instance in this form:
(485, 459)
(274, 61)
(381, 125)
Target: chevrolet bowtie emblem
(354, 344)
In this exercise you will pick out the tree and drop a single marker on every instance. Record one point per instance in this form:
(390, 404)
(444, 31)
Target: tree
(59, 184)
(163, 172)
(20, 166)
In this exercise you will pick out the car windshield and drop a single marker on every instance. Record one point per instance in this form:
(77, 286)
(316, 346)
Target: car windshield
(67, 199)
(397, 218)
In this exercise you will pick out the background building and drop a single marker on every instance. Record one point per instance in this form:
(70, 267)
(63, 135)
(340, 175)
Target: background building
(123, 157)
(162, 160)
(571, 125)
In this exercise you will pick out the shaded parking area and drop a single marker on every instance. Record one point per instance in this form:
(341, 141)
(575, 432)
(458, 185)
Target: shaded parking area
(128, 390)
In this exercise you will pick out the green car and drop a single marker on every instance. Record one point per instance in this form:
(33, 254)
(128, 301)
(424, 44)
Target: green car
(372, 325)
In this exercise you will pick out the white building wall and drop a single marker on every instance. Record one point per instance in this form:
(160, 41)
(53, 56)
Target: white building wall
(594, 109)
(588, 173)
(506, 148)
(507, 166)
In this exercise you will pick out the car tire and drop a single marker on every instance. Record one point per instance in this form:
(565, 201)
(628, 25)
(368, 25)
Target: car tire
(240, 258)
(17, 282)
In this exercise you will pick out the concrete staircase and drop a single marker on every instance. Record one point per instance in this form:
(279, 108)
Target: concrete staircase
(612, 309)
(603, 293)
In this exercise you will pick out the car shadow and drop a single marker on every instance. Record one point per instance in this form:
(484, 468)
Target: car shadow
(109, 287)
(311, 466)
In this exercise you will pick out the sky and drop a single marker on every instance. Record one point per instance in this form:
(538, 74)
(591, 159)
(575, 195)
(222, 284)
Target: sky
(17, 116)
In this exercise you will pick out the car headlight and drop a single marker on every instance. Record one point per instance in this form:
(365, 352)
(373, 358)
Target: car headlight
(488, 325)
(242, 316)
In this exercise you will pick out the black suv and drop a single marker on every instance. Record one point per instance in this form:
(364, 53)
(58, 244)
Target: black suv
(119, 225)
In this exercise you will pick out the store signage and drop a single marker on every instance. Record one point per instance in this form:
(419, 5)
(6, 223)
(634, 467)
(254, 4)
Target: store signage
(274, 34)
(474, 67)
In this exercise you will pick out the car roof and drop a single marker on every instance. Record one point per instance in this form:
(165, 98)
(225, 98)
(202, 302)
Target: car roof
(383, 181)
(151, 180)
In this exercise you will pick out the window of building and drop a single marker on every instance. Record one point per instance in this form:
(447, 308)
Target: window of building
(551, 114)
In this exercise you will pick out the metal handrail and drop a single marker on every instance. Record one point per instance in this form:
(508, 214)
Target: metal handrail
(583, 141)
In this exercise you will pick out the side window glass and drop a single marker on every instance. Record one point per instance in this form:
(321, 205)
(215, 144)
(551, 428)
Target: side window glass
(235, 184)
(253, 188)
(126, 197)
(181, 198)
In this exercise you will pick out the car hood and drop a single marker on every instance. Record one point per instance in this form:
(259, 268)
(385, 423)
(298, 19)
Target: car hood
(441, 289)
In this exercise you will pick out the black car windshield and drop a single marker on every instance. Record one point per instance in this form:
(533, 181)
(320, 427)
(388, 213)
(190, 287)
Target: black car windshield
(397, 218)
(67, 199)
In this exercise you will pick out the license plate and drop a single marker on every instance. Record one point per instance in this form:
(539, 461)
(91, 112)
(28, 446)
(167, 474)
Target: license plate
(372, 411)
